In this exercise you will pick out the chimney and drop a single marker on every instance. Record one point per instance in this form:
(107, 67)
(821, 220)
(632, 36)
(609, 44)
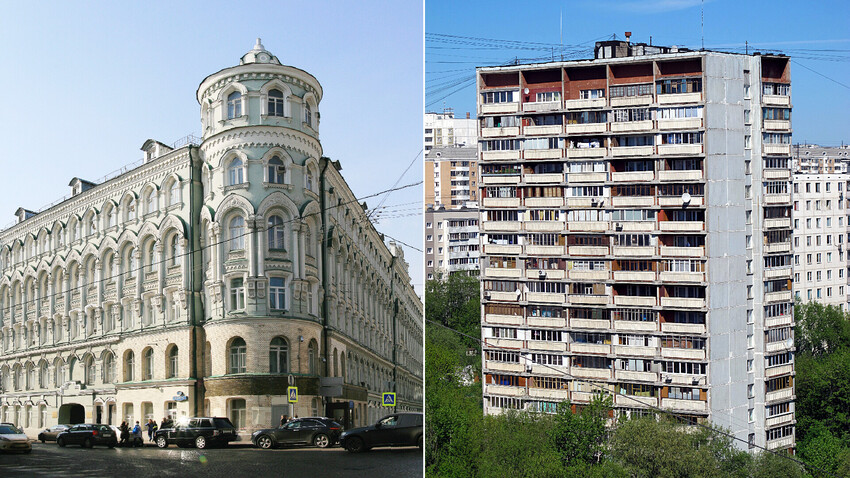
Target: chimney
(467, 115)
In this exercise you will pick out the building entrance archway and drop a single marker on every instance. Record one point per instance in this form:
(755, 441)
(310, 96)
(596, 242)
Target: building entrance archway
(72, 413)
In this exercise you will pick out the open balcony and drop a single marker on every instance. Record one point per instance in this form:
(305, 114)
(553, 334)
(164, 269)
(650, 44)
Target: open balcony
(587, 128)
(551, 274)
(631, 126)
(586, 103)
(588, 177)
(504, 390)
(556, 153)
(589, 275)
(534, 250)
(588, 250)
(503, 249)
(543, 226)
(497, 108)
(633, 201)
(502, 226)
(679, 149)
(547, 178)
(675, 277)
(635, 226)
(544, 202)
(587, 348)
(540, 345)
(546, 297)
(777, 125)
(683, 302)
(552, 395)
(635, 401)
(674, 251)
(593, 373)
(632, 151)
(504, 366)
(680, 175)
(635, 351)
(502, 273)
(633, 276)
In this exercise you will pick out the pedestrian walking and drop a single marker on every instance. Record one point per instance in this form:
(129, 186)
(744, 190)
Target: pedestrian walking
(151, 426)
(137, 434)
(125, 433)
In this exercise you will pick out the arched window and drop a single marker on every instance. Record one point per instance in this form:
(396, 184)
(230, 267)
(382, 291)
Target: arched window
(31, 372)
(234, 105)
(149, 257)
(234, 172)
(89, 370)
(238, 352)
(42, 376)
(147, 364)
(173, 362)
(108, 368)
(276, 233)
(308, 114)
(174, 193)
(59, 372)
(92, 225)
(131, 210)
(275, 103)
(111, 216)
(311, 358)
(237, 231)
(174, 249)
(279, 356)
(150, 202)
(308, 240)
(129, 262)
(276, 170)
(129, 367)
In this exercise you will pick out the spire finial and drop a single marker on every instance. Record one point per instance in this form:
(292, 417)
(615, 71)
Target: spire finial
(259, 45)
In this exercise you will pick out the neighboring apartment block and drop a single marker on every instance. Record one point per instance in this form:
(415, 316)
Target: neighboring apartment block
(636, 234)
(451, 177)
(443, 130)
(209, 277)
(451, 242)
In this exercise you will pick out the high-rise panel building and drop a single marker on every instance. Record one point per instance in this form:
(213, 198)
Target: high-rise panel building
(451, 242)
(451, 177)
(444, 130)
(636, 234)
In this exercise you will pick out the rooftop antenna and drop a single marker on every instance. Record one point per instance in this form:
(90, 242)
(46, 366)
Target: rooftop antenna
(702, 25)
(562, 34)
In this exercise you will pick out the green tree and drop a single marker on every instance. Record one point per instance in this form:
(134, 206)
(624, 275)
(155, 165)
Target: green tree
(518, 445)
(580, 437)
(454, 302)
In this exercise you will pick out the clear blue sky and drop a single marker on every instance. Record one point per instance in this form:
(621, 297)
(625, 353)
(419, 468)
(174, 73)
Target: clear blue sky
(815, 34)
(87, 83)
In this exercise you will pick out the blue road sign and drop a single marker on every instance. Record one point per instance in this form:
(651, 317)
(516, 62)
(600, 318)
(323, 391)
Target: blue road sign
(389, 399)
(292, 392)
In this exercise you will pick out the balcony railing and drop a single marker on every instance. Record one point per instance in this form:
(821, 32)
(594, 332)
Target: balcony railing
(547, 129)
(679, 98)
(500, 131)
(541, 106)
(495, 108)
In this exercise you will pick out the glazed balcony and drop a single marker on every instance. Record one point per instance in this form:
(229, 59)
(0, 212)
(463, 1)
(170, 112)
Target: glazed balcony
(499, 131)
(780, 321)
(674, 251)
(676, 277)
(631, 126)
(546, 297)
(502, 273)
(548, 178)
(504, 366)
(632, 151)
(587, 250)
(634, 276)
(506, 391)
(550, 129)
(777, 125)
(777, 174)
(679, 149)
(588, 177)
(589, 275)
(681, 226)
(632, 176)
(778, 371)
(679, 98)
(546, 346)
(676, 201)
(779, 395)
(777, 273)
(535, 250)
(593, 373)
(587, 153)
(680, 175)
(552, 274)
(587, 128)
(669, 124)
(544, 202)
(635, 351)
(683, 302)
(496, 108)
(633, 401)
(538, 106)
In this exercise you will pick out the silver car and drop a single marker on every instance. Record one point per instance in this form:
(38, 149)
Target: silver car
(13, 439)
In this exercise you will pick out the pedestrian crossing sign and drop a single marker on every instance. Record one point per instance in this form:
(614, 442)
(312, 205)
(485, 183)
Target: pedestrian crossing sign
(293, 394)
(389, 399)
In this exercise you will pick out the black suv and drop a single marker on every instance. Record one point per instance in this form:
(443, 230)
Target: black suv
(88, 435)
(198, 432)
(321, 432)
(398, 429)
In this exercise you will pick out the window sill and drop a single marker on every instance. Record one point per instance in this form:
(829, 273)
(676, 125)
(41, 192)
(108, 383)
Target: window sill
(174, 206)
(234, 187)
(277, 185)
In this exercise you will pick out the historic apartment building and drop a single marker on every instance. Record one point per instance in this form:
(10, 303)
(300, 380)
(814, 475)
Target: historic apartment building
(451, 242)
(636, 234)
(209, 278)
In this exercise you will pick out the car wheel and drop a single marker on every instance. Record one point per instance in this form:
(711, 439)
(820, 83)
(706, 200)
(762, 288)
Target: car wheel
(419, 442)
(161, 442)
(88, 443)
(200, 443)
(265, 442)
(42, 440)
(354, 445)
(60, 442)
(321, 440)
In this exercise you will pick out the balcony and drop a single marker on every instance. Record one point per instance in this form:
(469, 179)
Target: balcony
(780, 174)
(635, 326)
(496, 108)
(775, 247)
(680, 175)
(589, 275)
(543, 226)
(587, 250)
(592, 324)
(594, 373)
(635, 401)
(546, 297)
(588, 226)
(578, 299)
(501, 202)
(503, 249)
(674, 251)
(777, 198)
(782, 296)
(636, 251)
(541, 106)
(780, 346)
(504, 366)
(684, 405)
(635, 226)
(587, 128)
(690, 277)
(553, 178)
(631, 126)
(677, 328)
(779, 395)
(683, 302)
(643, 100)
(780, 370)
(544, 202)
(679, 124)
(503, 319)
(632, 176)
(581, 153)
(547, 346)
(549, 129)
(621, 151)
(635, 351)
(500, 179)
(633, 201)
(556, 274)
(634, 276)
(637, 376)
(557, 322)
(776, 100)
(500, 131)
(505, 390)
(681, 226)
(502, 343)
(502, 225)
(586, 348)
(553, 395)
(780, 321)
(543, 153)
(495, 272)
(786, 419)
(778, 223)
(510, 154)
(544, 250)
(781, 443)
(587, 103)
(778, 273)
(679, 98)
(501, 296)
(687, 354)
(780, 149)
(583, 202)
(777, 125)
(591, 177)
(679, 149)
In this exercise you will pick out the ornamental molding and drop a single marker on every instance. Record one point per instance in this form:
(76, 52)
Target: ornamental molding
(214, 147)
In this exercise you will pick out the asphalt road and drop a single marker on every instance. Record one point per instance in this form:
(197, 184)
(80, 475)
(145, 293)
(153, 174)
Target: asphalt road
(49, 460)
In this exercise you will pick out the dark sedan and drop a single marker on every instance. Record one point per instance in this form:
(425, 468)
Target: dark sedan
(399, 429)
(88, 435)
(50, 434)
(317, 431)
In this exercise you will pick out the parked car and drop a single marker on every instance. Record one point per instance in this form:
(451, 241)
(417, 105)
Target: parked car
(200, 432)
(398, 429)
(50, 434)
(88, 435)
(12, 438)
(317, 431)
